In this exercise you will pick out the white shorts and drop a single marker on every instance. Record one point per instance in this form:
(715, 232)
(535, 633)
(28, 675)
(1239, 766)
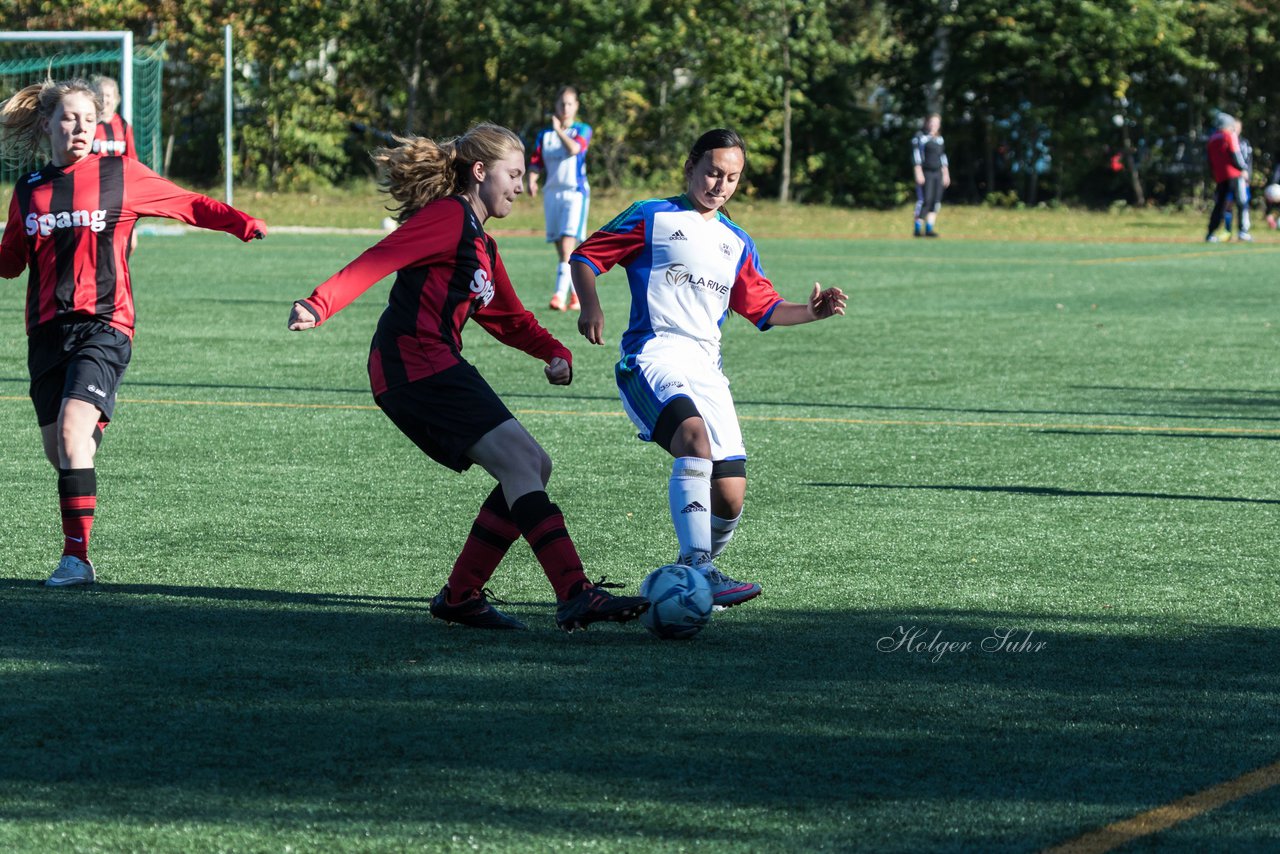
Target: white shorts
(566, 212)
(651, 379)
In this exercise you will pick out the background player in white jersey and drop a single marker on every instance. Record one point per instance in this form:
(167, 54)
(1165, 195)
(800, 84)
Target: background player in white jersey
(560, 154)
(929, 164)
(688, 266)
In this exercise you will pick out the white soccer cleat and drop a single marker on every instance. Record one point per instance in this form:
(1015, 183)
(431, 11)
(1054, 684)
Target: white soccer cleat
(71, 570)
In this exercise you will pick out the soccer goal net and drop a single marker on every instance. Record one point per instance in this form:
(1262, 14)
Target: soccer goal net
(25, 60)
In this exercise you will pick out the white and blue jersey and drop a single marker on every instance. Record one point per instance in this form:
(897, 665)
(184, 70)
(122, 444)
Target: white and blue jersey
(686, 273)
(562, 170)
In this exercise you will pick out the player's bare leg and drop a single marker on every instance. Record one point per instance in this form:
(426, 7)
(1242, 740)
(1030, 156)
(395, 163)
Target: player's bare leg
(565, 298)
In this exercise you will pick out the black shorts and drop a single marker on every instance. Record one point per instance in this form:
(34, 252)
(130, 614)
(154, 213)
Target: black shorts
(446, 413)
(83, 360)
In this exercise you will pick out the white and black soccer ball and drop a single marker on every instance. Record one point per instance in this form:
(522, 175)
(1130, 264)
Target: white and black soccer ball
(679, 601)
(1272, 193)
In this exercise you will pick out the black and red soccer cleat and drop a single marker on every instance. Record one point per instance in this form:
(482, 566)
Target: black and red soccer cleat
(594, 604)
(474, 611)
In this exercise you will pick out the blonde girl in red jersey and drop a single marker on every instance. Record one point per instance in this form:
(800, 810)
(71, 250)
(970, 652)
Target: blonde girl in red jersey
(69, 226)
(447, 272)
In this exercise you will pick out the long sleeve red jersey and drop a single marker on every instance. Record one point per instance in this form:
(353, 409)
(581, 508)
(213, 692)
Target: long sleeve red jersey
(71, 227)
(447, 270)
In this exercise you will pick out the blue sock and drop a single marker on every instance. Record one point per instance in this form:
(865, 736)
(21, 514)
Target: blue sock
(928, 229)
(917, 227)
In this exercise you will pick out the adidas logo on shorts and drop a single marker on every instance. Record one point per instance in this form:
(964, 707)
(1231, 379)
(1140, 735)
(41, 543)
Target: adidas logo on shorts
(677, 235)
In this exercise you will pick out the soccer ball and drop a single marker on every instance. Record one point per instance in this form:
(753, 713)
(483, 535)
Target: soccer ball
(1272, 193)
(679, 602)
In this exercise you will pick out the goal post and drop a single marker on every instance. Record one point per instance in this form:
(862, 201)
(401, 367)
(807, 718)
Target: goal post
(28, 57)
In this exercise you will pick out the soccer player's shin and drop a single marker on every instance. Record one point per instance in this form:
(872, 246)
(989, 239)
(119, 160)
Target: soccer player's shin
(77, 500)
(492, 534)
(563, 280)
(543, 527)
(721, 532)
(689, 497)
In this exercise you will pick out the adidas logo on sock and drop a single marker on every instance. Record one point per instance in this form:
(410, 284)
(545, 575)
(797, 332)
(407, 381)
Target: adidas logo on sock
(694, 507)
(677, 235)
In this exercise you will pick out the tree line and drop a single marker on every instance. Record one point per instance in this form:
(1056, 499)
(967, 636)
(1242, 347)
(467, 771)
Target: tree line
(1079, 101)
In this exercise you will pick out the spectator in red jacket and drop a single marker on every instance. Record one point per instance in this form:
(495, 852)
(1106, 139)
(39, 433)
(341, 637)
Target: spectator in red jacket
(1226, 161)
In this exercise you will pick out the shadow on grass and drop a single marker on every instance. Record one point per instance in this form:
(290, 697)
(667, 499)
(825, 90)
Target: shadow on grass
(775, 729)
(230, 594)
(1157, 226)
(1046, 491)
(1216, 405)
(1146, 434)
(363, 392)
(976, 410)
(1275, 393)
(1210, 398)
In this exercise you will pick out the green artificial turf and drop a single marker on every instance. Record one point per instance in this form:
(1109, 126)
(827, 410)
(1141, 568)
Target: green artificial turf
(1071, 444)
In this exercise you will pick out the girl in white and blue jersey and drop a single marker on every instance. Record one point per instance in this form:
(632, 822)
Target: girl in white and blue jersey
(560, 158)
(688, 266)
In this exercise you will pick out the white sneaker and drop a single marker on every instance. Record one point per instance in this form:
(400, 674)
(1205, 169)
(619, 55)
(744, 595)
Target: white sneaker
(71, 570)
(1245, 236)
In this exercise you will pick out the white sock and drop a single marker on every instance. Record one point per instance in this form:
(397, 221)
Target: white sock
(563, 280)
(722, 532)
(689, 497)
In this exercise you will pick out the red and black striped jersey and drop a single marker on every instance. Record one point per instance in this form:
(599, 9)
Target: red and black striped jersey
(114, 138)
(71, 226)
(447, 270)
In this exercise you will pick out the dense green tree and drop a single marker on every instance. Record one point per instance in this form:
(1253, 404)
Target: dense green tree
(1090, 100)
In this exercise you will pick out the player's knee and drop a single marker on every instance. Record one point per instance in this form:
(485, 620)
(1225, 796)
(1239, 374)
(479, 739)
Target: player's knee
(728, 487)
(691, 439)
(681, 430)
(534, 461)
(726, 506)
(544, 465)
(75, 443)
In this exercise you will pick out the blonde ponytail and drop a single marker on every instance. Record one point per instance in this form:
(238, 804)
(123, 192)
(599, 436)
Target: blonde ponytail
(23, 137)
(419, 170)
